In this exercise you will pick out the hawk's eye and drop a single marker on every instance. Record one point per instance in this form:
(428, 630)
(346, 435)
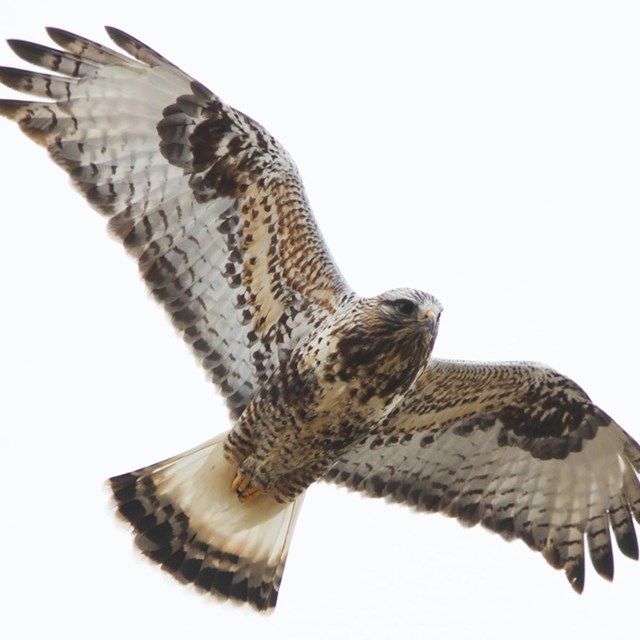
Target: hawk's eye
(404, 307)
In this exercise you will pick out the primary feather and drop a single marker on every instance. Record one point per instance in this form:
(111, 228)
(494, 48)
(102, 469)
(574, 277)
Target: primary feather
(320, 382)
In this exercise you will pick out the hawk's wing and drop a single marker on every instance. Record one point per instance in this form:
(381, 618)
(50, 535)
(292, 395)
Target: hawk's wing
(206, 200)
(516, 447)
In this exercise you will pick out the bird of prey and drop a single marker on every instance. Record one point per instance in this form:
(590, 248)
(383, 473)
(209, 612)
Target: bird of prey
(320, 382)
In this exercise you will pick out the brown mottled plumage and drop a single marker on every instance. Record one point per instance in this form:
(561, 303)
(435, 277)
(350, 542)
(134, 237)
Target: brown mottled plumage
(335, 389)
(320, 383)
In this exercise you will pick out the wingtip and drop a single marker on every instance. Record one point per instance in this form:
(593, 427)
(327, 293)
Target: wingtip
(12, 109)
(628, 543)
(117, 35)
(17, 45)
(11, 77)
(136, 48)
(604, 566)
(575, 576)
(60, 36)
(28, 51)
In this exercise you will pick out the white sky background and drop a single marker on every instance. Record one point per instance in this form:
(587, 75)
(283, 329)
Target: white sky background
(487, 152)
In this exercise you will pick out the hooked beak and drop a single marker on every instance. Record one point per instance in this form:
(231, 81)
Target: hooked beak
(429, 316)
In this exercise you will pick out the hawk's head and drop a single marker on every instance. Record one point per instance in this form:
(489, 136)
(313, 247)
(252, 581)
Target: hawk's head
(404, 318)
(387, 340)
(407, 310)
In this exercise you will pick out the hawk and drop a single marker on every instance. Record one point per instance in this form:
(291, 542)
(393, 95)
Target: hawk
(320, 382)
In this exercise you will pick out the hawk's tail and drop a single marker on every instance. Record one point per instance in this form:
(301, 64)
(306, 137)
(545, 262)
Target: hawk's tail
(187, 518)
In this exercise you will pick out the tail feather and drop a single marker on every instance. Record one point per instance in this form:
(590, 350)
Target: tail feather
(187, 519)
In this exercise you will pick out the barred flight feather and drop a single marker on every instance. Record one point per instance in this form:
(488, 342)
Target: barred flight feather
(547, 477)
(320, 382)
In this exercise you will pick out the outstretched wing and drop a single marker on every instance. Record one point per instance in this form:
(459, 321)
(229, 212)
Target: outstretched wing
(516, 447)
(207, 201)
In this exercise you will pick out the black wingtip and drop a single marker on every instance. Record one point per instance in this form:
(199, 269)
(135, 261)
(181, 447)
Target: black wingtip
(628, 543)
(121, 38)
(604, 565)
(128, 42)
(24, 49)
(114, 32)
(60, 36)
(576, 579)
(11, 77)
(13, 109)
(36, 53)
(136, 48)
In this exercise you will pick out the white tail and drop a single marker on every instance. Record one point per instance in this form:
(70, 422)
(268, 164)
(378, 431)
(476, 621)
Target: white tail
(189, 520)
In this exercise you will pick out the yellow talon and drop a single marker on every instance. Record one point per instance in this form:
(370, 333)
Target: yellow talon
(249, 494)
(242, 486)
(240, 483)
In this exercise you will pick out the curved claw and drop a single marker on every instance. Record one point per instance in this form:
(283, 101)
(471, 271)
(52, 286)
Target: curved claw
(242, 486)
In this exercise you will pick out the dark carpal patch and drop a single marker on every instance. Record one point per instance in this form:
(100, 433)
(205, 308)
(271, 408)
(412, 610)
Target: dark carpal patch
(550, 425)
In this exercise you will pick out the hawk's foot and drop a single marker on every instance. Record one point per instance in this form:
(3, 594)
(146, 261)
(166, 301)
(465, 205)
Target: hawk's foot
(242, 483)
